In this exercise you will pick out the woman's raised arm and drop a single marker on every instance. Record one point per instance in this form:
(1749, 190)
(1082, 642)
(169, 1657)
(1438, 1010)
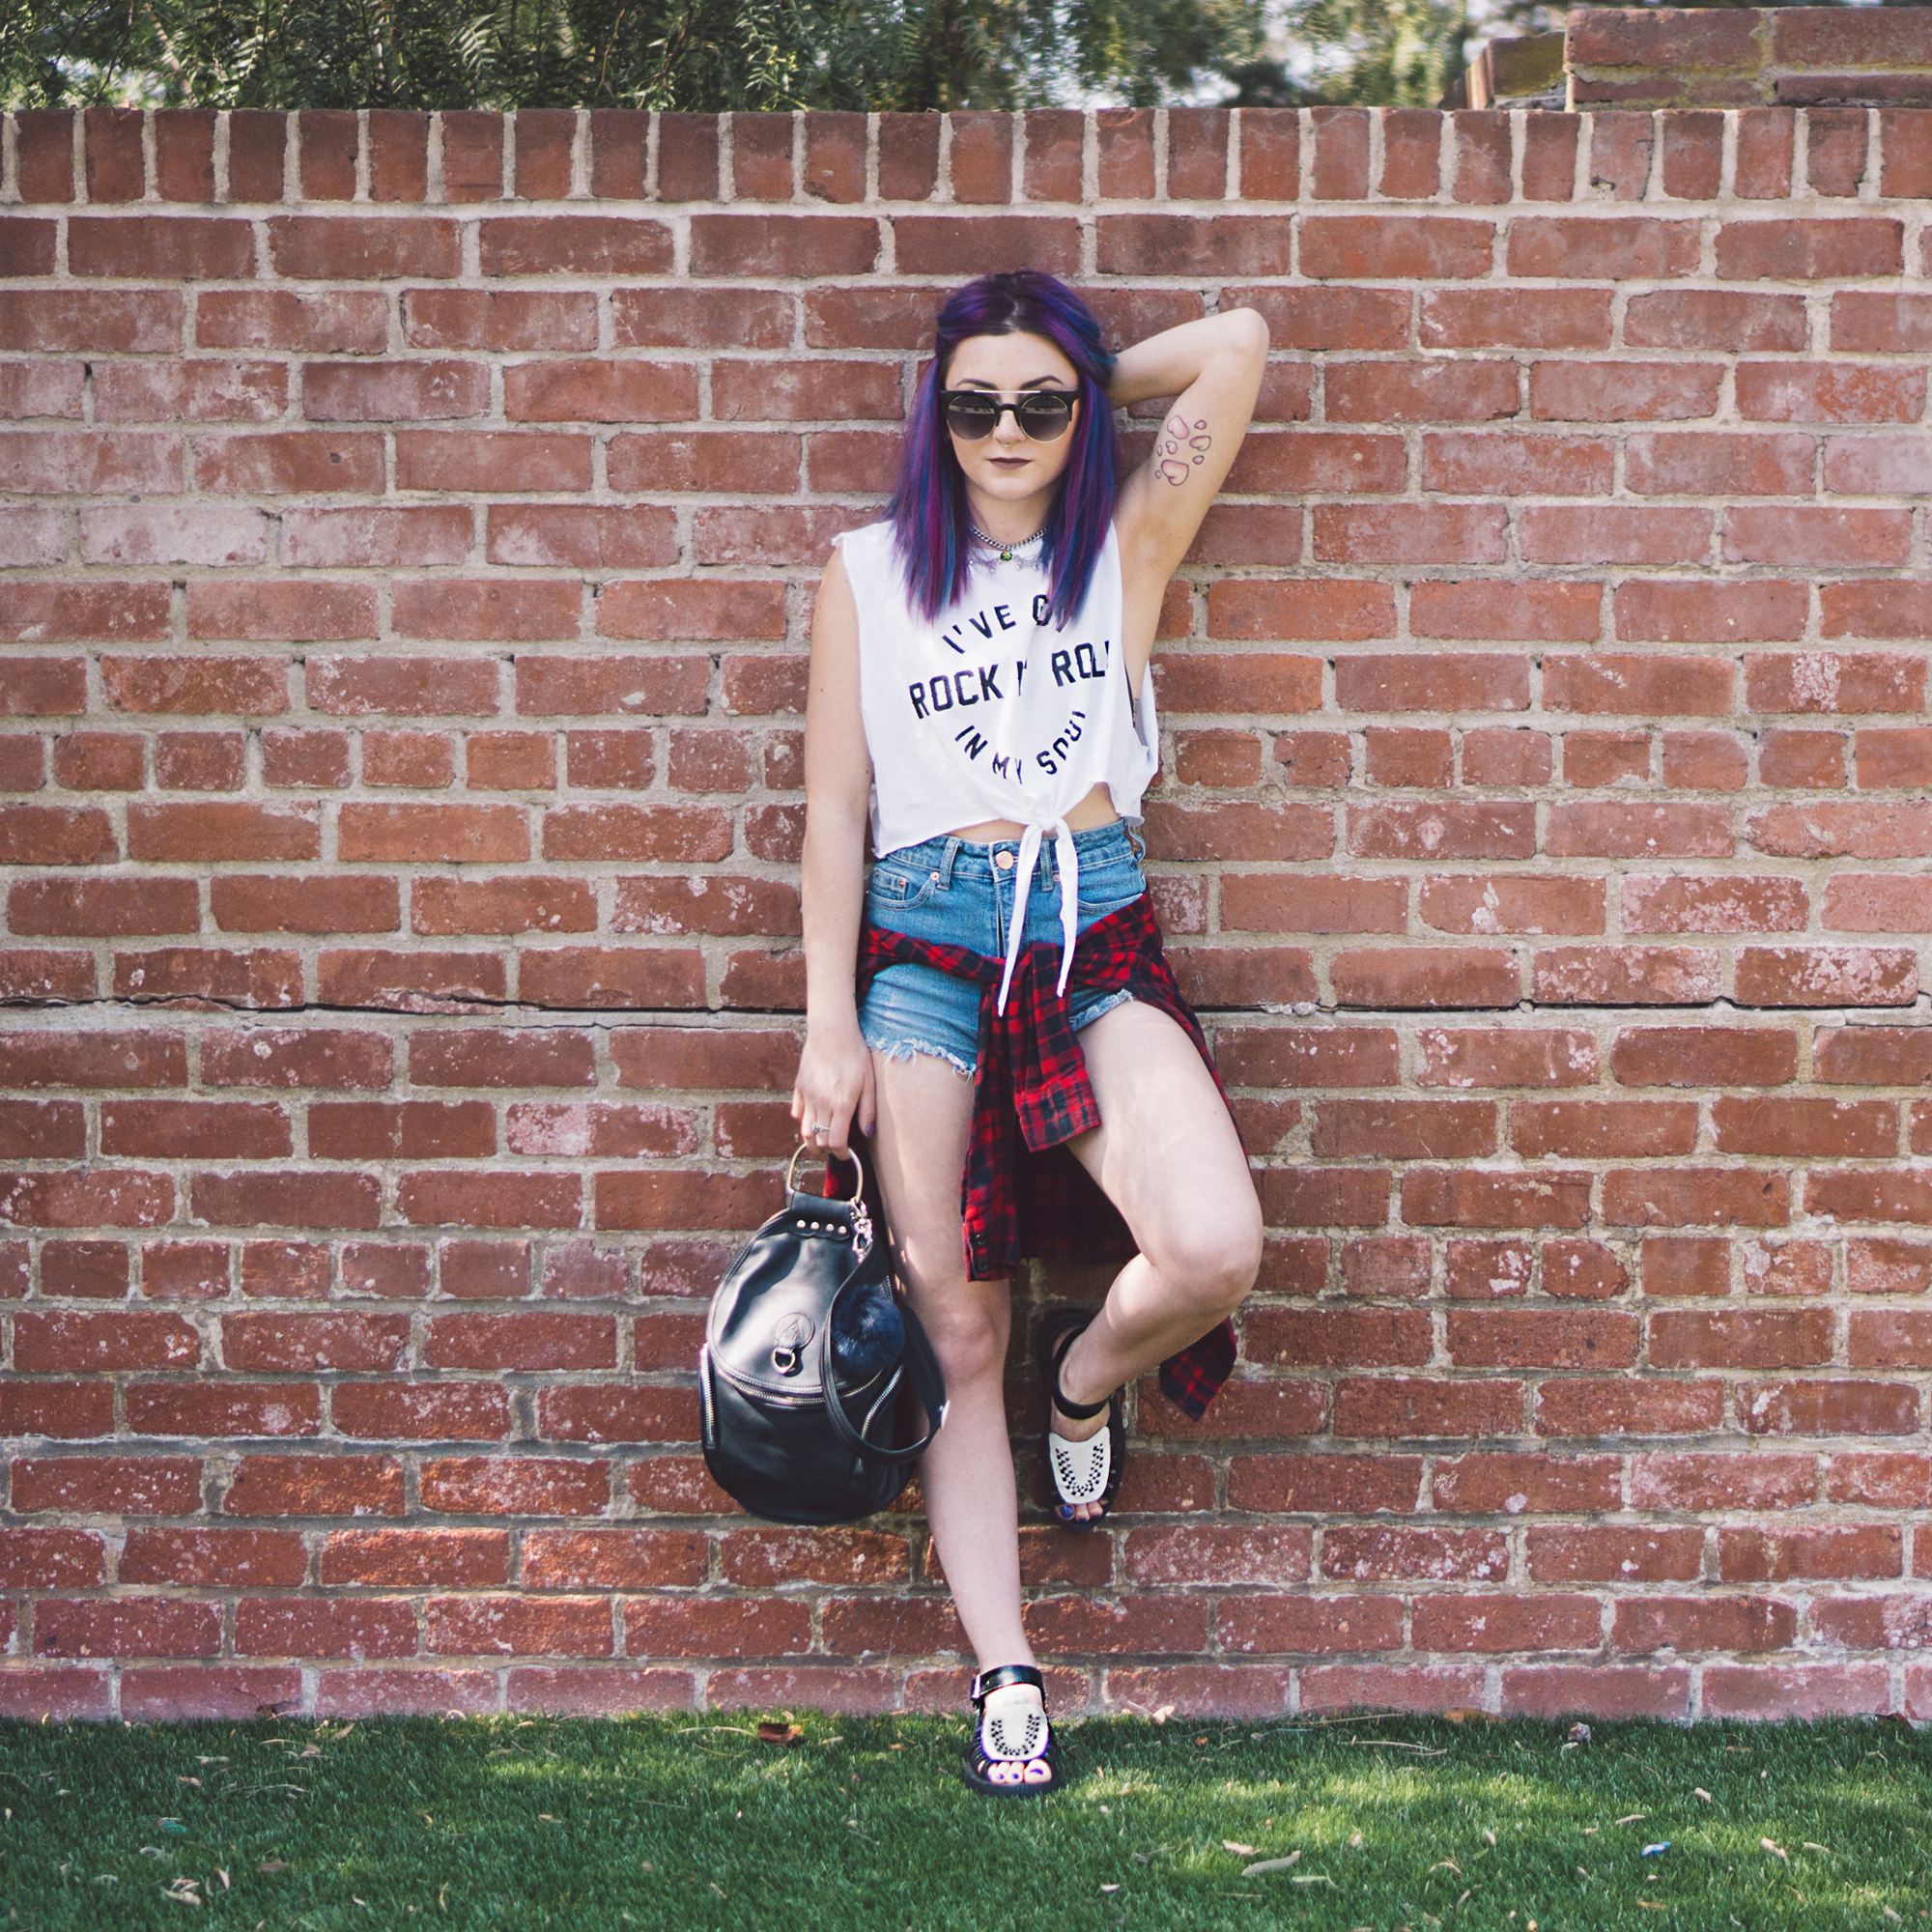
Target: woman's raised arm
(1213, 370)
(835, 1074)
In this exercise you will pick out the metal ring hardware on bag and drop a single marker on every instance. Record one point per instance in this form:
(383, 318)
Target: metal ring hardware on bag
(804, 1147)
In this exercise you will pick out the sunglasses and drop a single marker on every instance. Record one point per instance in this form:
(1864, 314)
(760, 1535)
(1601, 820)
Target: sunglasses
(1044, 414)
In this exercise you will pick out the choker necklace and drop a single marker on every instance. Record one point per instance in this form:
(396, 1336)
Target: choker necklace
(1005, 550)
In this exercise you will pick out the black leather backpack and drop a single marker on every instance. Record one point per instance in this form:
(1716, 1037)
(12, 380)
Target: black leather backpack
(812, 1371)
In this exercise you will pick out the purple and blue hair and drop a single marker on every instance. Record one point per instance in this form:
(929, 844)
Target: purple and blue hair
(928, 510)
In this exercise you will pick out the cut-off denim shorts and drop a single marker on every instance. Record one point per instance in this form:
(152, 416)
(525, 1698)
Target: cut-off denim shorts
(951, 892)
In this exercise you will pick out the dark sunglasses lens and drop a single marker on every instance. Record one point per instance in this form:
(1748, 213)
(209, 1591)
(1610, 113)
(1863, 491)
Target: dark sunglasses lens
(971, 416)
(1045, 418)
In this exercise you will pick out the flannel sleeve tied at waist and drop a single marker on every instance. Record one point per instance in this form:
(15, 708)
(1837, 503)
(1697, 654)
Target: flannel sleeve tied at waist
(1023, 1195)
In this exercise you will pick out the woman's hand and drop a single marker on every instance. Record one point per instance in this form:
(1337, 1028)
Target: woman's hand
(834, 1088)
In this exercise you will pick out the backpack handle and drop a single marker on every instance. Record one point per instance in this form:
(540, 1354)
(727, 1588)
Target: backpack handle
(806, 1147)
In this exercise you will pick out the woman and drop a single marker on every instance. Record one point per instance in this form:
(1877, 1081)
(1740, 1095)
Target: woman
(981, 691)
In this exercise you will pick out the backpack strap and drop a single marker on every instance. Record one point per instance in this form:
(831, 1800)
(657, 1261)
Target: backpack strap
(927, 1382)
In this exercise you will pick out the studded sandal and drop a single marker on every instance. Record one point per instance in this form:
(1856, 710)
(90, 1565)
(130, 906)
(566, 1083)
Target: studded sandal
(1087, 1471)
(1012, 1753)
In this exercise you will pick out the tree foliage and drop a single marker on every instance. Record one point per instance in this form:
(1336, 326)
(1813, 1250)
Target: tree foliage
(692, 54)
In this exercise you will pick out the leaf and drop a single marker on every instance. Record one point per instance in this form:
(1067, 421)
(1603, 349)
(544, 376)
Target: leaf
(773, 1733)
(1698, 1791)
(1239, 1851)
(1489, 1837)
(1633, 1817)
(1810, 1846)
(272, 1865)
(1110, 1888)
(1288, 1863)
(1777, 1850)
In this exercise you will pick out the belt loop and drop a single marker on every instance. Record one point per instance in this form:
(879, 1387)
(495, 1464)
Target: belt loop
(1134, 839)
(945, 860)
(1046, 865)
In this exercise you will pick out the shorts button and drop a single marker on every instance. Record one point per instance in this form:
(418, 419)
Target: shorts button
(1004, 860)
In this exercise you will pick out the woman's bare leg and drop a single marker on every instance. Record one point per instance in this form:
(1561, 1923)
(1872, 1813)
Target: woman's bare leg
(1167, 1155)
(926, 1116)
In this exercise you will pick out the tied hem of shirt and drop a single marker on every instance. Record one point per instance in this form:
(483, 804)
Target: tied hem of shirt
(1067, 862)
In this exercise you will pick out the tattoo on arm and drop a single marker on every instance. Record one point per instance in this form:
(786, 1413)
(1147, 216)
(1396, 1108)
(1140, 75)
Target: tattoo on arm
(1181, 448)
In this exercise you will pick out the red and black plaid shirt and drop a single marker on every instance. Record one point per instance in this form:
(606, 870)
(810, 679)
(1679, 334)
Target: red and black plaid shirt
(1023, 1194)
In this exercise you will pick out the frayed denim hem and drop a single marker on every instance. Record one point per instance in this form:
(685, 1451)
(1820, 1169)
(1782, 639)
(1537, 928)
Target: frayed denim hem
(896, 1047)
(1122, 998)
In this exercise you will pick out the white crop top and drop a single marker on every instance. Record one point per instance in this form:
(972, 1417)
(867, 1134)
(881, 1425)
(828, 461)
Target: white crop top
(992, 711)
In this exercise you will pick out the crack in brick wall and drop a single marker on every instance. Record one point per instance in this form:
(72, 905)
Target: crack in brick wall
(408, 527)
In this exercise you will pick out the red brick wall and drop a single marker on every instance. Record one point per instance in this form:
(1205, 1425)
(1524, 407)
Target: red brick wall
(408, 534)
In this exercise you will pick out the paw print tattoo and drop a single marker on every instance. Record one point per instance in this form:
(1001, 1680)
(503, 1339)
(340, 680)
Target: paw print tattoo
(1180, 448)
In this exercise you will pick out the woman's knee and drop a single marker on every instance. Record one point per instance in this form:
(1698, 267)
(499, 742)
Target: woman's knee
(1210, 1260)
(968, 1334)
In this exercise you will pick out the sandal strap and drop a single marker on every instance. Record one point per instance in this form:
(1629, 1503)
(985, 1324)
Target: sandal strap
(1006, 1674)
(1075, 1327)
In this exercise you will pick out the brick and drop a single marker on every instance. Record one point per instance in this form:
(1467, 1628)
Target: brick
(1705, 1057)
(1871, 1267)
(1564, 1691)
(1420, 977)
(338, 322)
(1733, 1624)
(1412, 533)
(1696, 1196)
(1838, 392)
(1646, 686)
(1495, 1057)
(1609, 1554)
(1859, 1195)
(1585, 247)
(1811, 1407)
(1406, 1409)
(1705, 762)
(1392, 392)
(473, 155)
(321, 248)
(1608, 1408)
(1841, 1129)
(1816, 251)
(1411, 154)
(1602, 1130)
(399, 156)
(1631, 831)
(518, 1627)
(1710, 462)
(1520, 466)
(1696, 1482)
(280, 1485)
(107, 907)
(1718, 613)
(1626, 976)
(1621, 392)
(1428, 248)
(1723, 319)
(1542, 611)
(1403, 1130)
(1278, 903)
(1458, 830)
(1825, 975)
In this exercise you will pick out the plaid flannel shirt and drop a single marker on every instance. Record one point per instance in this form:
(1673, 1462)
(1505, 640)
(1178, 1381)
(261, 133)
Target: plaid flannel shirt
(1023, 1194)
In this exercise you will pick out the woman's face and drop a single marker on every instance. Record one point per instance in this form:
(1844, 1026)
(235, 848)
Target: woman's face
(1009, 466)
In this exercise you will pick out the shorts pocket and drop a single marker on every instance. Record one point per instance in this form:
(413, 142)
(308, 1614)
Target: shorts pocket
(1107, 889)
(900, 888)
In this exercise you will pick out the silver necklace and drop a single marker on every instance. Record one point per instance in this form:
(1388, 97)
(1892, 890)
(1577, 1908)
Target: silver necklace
(1005, 550)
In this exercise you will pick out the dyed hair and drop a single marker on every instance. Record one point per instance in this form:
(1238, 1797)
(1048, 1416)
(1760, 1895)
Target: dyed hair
(929, 509)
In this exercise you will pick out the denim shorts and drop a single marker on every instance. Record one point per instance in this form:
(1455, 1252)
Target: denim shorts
(953, 893)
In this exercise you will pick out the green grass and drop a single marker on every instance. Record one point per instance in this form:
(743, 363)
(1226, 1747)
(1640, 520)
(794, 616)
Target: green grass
(690, 1823)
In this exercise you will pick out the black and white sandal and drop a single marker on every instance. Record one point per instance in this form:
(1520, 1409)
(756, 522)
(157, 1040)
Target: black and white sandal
(1077, 1472)
(1012, 1753)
